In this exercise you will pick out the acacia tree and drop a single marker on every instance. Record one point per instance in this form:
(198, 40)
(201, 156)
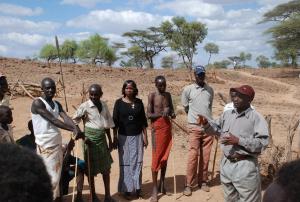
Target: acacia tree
(244, 57)
(263, 61)
(150, 41)
(167, 62)
(68, 50)
(95, 50)
(286, 31)
(235, 60)
(183, 37)
(49, 53)
(211, 48)
(136, 57)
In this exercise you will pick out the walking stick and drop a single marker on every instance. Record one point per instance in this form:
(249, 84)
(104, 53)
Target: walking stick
(61, 72)
(173, 165)
(214, 160)
(179, 126)
(76, 154)
(89, 172)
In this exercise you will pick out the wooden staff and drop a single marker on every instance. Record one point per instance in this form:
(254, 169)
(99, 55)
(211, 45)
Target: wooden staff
(173, 165)
(89, 172)
(74, 183)
(214, 160)
(61, 72)
(179, 126)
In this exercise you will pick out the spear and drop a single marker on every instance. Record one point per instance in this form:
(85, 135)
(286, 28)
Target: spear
(61, 72)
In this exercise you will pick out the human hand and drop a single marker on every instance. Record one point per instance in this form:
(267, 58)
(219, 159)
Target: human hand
(110, 146)
(201, 120)
(145, 140)
(115, 143)
(79, 135)
(166, 112)
(230, 140)
(87, 141)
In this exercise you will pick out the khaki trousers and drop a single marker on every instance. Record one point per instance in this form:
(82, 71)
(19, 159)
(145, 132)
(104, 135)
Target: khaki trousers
(200, 145)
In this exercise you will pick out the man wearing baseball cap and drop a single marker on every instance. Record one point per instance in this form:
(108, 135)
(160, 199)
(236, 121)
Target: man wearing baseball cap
(243, 135)
(4, 99)
(197, 98)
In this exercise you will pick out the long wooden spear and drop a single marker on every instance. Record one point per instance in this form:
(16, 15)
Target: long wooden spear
(61, 72)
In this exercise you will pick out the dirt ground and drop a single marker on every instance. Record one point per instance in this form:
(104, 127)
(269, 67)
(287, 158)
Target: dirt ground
(277, 94)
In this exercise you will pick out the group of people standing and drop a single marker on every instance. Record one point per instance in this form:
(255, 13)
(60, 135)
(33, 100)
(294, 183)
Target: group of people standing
(242, 130)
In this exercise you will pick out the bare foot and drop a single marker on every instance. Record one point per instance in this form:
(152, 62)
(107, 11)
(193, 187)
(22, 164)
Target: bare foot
(154, 195)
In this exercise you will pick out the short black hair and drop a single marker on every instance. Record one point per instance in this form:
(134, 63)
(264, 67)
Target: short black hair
(47, 79)
(160, 77)
(23, 177)
(288, 178)
(98, 87)
(135, 89)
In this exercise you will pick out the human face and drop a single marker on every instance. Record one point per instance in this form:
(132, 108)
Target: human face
(49, 89)
(232, 94)
(95, 95)
(129, 90)
(7, 117)
(200, 78)
(161, 85)
(240, 101)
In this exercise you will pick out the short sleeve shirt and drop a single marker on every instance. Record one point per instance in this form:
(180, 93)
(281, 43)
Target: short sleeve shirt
(91, 117)
(199, 100)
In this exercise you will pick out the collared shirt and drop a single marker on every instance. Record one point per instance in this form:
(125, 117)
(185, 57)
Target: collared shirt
(6, 136)
(199, 100)
(5, 101)
(249, 126)
(91, 117)
(230, 106)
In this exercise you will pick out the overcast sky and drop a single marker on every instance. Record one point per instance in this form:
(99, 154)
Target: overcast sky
(25, 26)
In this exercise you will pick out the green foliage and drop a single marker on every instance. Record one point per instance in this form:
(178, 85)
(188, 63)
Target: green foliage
(49, 53)
(244, 57)
(95, 50)
(286, 32)
(136, 57)
(150, 41)
(183, 37)
(263, 61)
(167, 62)
(235, 60)
(211, 48)
(222, 64)
(68, 50)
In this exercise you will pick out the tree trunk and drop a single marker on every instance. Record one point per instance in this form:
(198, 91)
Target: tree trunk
(209, 58)
(294, 61)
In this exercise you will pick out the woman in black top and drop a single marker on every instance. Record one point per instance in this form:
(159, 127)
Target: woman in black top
(131, 134)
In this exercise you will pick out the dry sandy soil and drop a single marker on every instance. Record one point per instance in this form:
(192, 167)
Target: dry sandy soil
(277, 94)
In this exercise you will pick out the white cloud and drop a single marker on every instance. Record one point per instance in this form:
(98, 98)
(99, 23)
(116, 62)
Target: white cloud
(271, 2)
(84, 3)
(193, 8)
(25, 39)
(12, 24)
(3, 49)
(117, 22)
(16, 10)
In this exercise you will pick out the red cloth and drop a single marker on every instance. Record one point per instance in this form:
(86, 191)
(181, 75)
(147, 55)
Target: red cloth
(161, 142)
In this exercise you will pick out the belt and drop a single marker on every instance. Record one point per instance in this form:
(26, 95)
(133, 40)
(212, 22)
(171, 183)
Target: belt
(238, 157)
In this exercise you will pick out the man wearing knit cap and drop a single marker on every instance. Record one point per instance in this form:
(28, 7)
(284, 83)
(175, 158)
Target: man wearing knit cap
(197, 98)
(243, 135)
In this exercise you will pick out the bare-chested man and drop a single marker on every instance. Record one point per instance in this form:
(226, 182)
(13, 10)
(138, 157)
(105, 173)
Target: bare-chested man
(160, 108)
(45, 114)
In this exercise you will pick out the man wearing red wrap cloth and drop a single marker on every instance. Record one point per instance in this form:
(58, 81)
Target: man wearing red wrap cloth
(160, 109)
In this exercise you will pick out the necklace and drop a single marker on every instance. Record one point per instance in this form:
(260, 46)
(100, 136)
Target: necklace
(132, 105)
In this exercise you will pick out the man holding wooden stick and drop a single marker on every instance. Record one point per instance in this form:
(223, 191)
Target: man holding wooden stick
(160, 108)
(45, 114)
(197, 98)
(243, 135)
